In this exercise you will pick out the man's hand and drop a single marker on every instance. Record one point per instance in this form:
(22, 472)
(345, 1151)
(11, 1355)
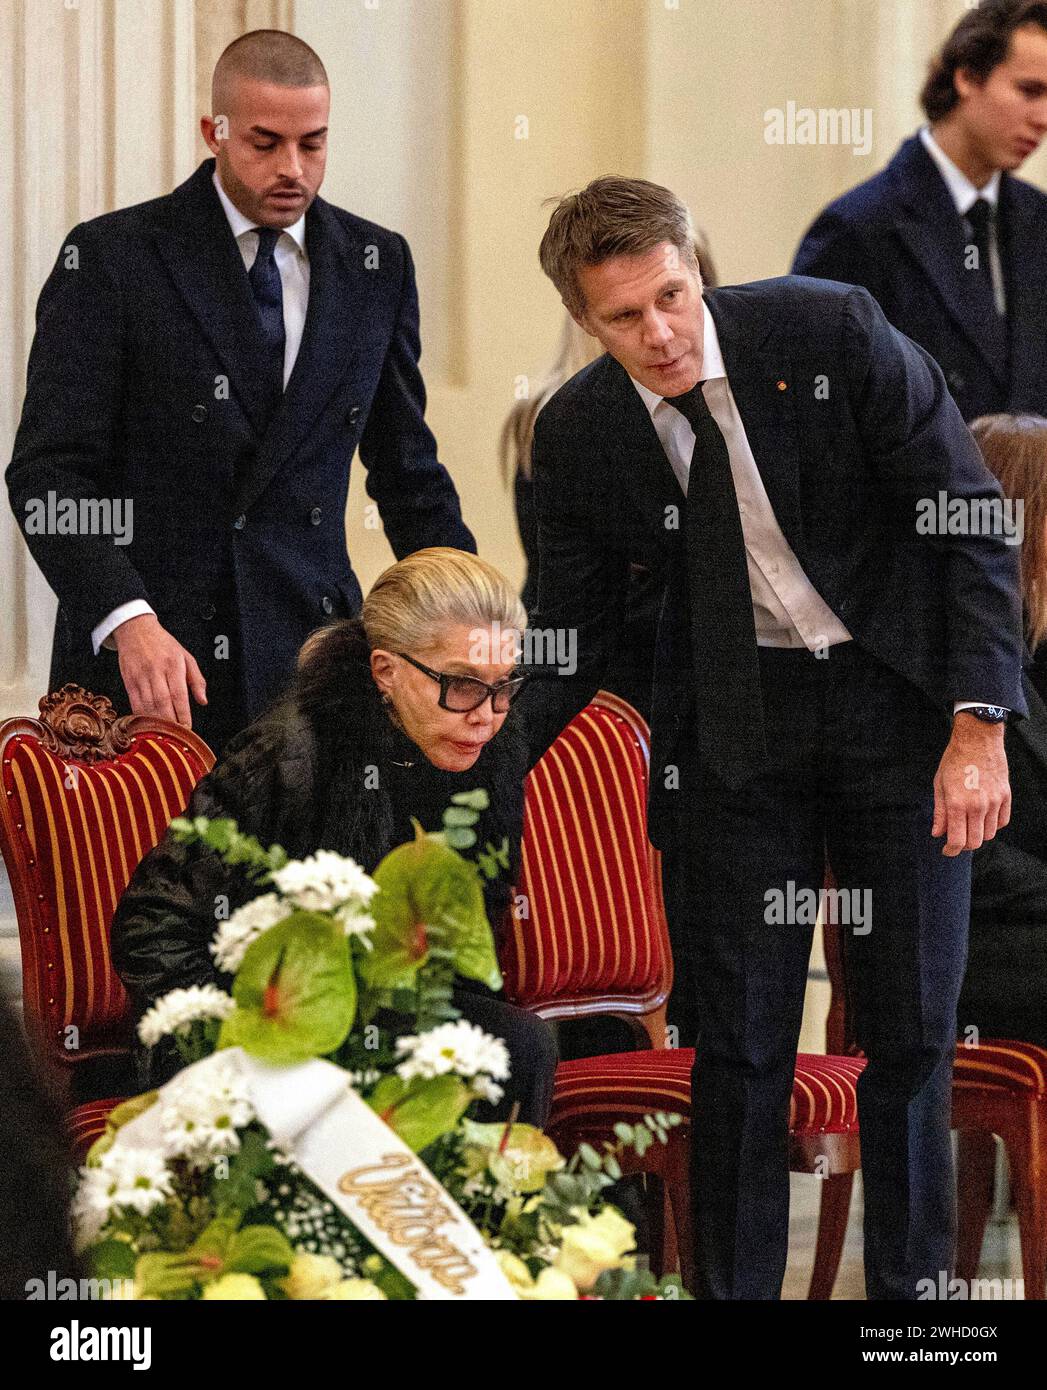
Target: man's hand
(972, 793)
(158, 673)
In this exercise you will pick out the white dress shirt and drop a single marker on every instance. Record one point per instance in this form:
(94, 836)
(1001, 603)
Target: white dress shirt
(964, 196)
(787, 609)
(292, 261)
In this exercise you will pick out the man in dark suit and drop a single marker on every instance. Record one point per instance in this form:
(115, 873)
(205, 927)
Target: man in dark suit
(204, 367)
(822, 676)
(950, 244)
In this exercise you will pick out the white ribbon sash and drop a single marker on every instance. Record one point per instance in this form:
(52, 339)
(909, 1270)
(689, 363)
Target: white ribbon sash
(357, 1161)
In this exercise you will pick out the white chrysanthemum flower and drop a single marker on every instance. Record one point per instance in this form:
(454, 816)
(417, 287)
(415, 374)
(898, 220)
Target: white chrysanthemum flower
(324, 881)
(460, 1047)
(355, 920)
(124, 1177)
(89, 1210)
(177, 1011)
(200, 1116)
(486, 1089)
(247, 923)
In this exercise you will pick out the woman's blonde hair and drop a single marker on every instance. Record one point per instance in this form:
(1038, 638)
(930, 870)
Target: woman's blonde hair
(412, 601)
(1015, 449)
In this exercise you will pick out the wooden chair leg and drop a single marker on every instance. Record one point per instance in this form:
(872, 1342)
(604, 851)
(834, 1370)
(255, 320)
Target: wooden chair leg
(975, 1185)
(1028, 1176)
(677, 1179)
(832, 1230)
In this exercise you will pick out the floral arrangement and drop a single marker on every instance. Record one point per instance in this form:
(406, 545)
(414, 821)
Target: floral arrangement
(328, 962)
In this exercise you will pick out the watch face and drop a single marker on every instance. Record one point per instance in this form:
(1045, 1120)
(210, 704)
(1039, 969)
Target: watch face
(992, 714)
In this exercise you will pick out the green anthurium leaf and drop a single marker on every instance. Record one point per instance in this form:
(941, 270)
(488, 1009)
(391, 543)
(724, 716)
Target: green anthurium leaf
(111, 1259)
(167, 1276)
(428, 895)
(213, 1241)
(118, 1116)
(259, 1250)
(422, 1109)
(295, 992)
(521, 1158)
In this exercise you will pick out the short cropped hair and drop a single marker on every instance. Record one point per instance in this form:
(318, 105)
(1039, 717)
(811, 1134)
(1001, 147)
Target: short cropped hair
(611, 216)
(266, 55)
(979, 43)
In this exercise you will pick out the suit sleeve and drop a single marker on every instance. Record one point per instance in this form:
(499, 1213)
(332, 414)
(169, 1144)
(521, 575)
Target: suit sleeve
(833, 249)
(67, 441)
(918, 446)
(416, 498)
(582, 585)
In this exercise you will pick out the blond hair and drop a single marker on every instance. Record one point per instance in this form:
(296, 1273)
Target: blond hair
(412, 601)
(1015, 449)
(577, 349)
(611, 216)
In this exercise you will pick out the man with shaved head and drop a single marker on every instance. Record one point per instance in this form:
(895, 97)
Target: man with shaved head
(205, 365)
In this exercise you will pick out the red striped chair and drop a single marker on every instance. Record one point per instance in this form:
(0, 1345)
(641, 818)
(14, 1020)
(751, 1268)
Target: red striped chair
(999, 1087)
(85, 796)
(588, 936)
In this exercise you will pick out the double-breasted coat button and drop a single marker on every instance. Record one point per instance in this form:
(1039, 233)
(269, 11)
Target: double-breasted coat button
(326, 604)
(207, 612)
(315, 516)
(240, 522)
(199, 413)
(353, 416)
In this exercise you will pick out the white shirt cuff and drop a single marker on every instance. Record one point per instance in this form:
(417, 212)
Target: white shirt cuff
(970, 704)
(101, 636)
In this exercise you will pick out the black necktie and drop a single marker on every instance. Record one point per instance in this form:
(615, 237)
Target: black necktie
(980, 218)
(728, 701)
(264, 278)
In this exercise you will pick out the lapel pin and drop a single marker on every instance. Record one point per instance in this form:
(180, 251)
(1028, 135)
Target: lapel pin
(783, 386)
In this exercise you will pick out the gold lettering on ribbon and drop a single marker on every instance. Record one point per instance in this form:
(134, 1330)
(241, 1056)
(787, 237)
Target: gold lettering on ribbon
(407, 1207)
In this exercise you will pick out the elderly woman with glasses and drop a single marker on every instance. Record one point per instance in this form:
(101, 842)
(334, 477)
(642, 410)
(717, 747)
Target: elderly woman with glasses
(389, 715)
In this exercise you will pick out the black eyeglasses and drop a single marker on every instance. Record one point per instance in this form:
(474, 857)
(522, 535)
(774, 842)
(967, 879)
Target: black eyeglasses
(463, 693)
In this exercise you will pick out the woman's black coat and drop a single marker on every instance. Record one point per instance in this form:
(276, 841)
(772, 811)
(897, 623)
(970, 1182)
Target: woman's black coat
(324, 769)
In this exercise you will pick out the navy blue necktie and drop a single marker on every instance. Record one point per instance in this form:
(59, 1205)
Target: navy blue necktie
(980, 218)
(264, 278)
(729, 726)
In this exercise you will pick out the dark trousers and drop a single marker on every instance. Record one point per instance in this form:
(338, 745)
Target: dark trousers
(853, 749)
(532, 1054)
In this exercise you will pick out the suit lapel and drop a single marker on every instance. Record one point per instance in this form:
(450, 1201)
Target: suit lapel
(936, 235)
(339, 309)
(631, 440)
(757, 361)
(197, 245)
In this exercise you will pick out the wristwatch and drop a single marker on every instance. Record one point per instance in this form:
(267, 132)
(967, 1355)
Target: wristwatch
(988, 714)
